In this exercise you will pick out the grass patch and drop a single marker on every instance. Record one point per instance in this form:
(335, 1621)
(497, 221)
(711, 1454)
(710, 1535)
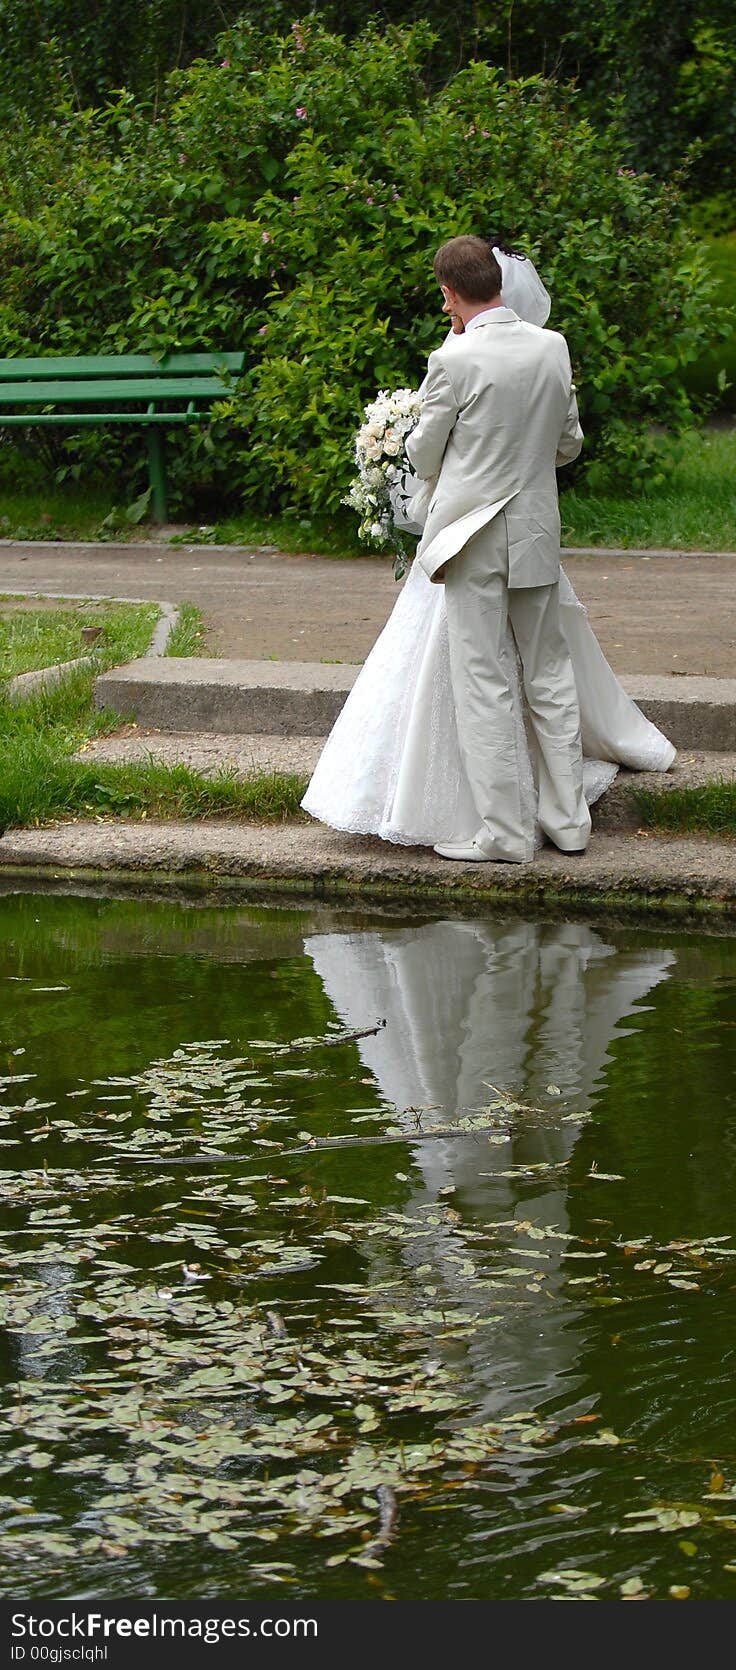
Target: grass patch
(33, 510)
(323, 536)
(61, 713)
(693, 509)
(702, 376)
(41, 782)
(187, 637)
(708, 809)
(33, 637)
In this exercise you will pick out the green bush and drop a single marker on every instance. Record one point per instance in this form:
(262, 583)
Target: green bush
(288, 197)
(673, 62)
(100, 46)
(714, 372)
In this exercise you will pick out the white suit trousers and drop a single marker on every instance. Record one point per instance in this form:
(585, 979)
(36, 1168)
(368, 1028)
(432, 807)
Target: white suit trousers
(479, 605)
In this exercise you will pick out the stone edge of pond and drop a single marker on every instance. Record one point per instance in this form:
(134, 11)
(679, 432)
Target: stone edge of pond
(671, 907)
(664, 876)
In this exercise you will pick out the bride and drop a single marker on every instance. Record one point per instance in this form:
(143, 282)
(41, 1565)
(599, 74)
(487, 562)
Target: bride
(391, 765)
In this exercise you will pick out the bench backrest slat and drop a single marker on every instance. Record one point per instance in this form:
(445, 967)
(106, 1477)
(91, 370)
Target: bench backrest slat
(117, 366)
(125, 388)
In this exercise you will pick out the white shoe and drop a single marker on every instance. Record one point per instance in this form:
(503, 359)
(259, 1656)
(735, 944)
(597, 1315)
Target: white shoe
(571, 850)
(469, 852)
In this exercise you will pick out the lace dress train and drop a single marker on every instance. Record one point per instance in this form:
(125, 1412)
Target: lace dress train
(391, 765)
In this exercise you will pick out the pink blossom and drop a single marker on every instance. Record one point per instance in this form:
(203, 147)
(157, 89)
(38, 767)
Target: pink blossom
(263, 330)
(298, 37)
(225, 65)
(182, 157)
(265, 237)
(369, 200)
(301, 113)
(485, 133)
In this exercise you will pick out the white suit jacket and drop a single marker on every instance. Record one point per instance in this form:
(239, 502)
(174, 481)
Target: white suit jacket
(499, 415)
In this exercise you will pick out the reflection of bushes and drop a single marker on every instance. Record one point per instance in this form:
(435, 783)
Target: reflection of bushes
(289, 199)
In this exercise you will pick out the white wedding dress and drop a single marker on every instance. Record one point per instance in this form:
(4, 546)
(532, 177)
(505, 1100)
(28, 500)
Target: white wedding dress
(391, 765)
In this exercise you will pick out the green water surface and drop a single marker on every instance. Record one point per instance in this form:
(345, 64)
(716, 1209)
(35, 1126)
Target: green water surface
(481, 1347)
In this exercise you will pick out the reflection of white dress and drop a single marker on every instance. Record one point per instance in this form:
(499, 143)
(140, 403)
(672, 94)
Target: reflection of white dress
(391, 765)
(522, 1005)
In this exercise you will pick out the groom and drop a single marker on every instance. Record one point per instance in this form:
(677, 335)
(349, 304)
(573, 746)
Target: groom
(499, 414)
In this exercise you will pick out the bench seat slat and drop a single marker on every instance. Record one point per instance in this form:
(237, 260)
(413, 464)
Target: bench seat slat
(73, 420)
(16, 369)
(49, 389)
(131, 388)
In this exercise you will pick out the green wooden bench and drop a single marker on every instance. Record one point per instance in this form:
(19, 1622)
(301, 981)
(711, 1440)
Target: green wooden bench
(118, 388)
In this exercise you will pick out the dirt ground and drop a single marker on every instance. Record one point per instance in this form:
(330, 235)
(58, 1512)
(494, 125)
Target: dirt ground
(652, 613)
(41, 605)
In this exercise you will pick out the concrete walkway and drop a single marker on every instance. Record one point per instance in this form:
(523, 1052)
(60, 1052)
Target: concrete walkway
(653, 613)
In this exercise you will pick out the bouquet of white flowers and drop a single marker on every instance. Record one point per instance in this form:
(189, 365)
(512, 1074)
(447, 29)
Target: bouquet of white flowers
(379, 455)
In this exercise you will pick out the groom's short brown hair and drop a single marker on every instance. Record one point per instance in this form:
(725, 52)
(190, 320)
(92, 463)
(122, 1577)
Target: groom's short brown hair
(468, 265)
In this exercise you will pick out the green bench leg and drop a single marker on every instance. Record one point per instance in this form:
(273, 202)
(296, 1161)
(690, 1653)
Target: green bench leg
(157, 472)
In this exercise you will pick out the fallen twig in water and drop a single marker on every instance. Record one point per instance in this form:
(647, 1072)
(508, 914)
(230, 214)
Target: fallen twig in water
(329, 1039)
(317, 1145)
(389, 1513)
(276, 1323)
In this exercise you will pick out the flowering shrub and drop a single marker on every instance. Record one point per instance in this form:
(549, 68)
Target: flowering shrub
(287, 197)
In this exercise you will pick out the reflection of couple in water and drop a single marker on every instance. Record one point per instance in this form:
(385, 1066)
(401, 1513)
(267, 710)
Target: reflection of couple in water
(521, 1006)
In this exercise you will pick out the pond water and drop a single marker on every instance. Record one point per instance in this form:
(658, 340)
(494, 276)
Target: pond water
(445, 1310)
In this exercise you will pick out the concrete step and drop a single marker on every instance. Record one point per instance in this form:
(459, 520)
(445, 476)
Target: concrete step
(248, 756)
(294, 698)
(207, 752)
(233, 698)
(695, 713)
